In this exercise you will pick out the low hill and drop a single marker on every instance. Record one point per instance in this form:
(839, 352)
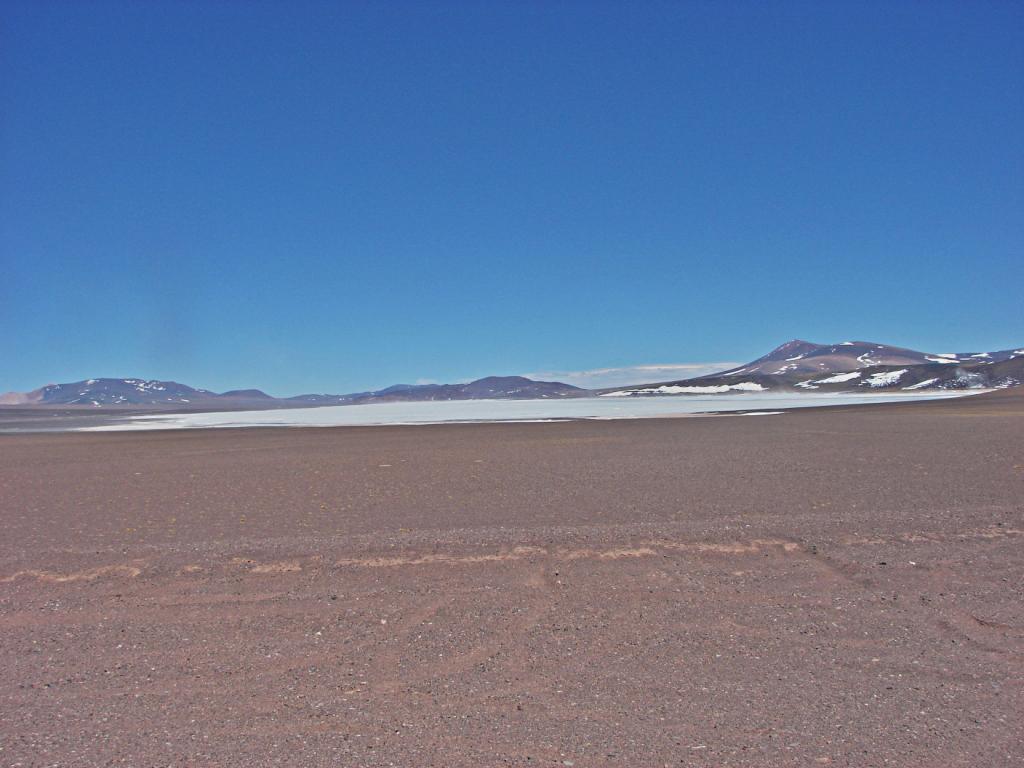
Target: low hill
(489, 388)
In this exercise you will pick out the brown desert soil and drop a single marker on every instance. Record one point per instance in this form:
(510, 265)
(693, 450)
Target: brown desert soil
(824, 587)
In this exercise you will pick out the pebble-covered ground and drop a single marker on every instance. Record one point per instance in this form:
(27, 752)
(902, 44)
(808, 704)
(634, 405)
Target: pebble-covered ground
(836, 587)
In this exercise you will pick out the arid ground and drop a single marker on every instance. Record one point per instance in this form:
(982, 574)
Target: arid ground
(824, 587)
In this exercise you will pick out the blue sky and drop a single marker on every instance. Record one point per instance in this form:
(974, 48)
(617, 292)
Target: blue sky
(335, 196)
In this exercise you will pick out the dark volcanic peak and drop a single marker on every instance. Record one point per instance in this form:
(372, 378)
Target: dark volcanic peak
(397, 388)
(851, 365)
(393, 393)
(789, 350)
(247, 394)
(517, 387)
(800, 356)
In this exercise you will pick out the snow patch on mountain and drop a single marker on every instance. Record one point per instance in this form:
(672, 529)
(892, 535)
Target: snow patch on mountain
(922, 384)
(839, 378)
(671, 389)
(885, 378)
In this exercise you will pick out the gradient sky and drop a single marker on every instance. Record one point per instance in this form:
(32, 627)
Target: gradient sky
(311, 197)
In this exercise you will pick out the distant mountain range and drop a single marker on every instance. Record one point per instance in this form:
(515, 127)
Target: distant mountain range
(796, 366)
(489, 388)
(849, 365)
(136, 392)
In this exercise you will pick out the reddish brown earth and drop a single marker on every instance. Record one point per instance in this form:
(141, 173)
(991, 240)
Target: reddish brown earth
(833, 587)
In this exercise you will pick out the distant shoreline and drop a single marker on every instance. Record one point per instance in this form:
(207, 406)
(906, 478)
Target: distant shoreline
(35, 419)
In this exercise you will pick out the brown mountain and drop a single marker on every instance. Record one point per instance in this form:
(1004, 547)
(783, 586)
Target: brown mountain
(489, 388)
(850, 365)
(135, 392)
(800, 356)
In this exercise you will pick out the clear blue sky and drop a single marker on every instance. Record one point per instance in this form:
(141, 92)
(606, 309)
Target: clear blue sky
(332, 196)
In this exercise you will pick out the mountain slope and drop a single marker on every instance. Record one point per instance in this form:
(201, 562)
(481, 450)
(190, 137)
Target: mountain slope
(800, 356)
(111, 392)
(971, 375)
(851, 365)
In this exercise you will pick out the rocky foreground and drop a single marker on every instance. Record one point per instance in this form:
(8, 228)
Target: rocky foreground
(833, 587)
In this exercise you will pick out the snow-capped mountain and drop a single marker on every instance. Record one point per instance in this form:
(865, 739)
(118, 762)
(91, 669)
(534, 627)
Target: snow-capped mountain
(110, 392)
(800, 356)
(849, 365)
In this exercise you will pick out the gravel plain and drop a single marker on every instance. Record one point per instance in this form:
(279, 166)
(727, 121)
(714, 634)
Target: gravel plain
(823, 587)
